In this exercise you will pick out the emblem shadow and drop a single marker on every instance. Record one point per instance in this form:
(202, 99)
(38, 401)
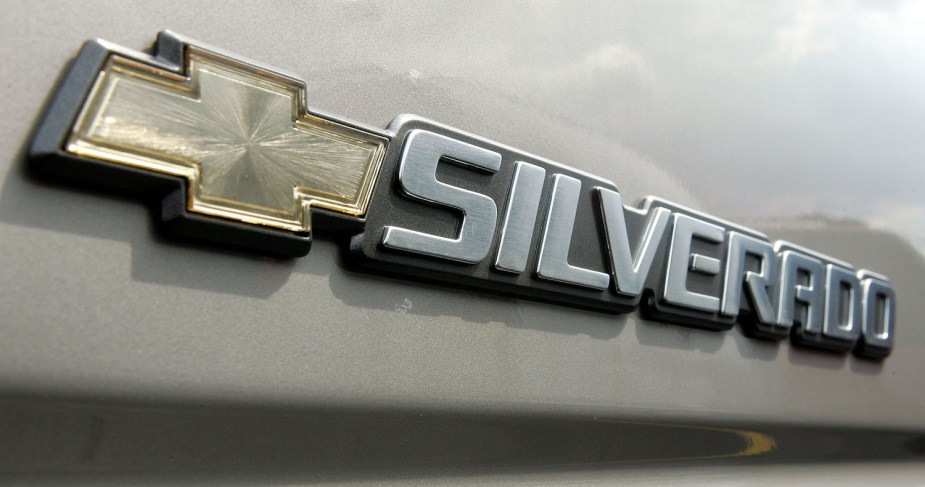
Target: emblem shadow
(89, 210)
(388, 294)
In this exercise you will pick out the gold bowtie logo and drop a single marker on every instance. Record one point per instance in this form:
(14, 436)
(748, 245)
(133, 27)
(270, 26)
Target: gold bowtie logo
(240, 135)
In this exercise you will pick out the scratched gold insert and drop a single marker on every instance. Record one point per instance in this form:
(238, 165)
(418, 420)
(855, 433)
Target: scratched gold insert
(240, 135)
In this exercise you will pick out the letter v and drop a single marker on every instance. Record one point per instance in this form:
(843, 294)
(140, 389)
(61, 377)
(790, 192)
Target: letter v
(630, 269)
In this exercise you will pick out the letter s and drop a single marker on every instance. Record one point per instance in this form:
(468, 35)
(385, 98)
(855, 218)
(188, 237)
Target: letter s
(417, 174)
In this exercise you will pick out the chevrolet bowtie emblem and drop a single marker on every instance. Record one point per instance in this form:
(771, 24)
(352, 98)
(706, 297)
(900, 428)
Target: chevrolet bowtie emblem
(233, 155)
(239, 135)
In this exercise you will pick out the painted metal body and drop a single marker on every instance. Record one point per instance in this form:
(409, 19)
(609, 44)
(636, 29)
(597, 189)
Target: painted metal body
(128, 357)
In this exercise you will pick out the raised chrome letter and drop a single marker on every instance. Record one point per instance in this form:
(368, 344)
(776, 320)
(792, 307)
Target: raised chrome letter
(557, 238)
(757, 282)
(629, 268)
(792, 263)
(520, 217)
(680, 260)
(879, 316)
(417, 173)
(842, 321)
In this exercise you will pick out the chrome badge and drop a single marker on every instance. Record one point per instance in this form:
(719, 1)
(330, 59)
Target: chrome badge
(231, 153)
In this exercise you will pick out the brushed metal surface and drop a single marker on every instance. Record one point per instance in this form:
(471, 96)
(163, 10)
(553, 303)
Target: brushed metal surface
(630, 267)
(552, 262)
(239, 135)
(520, 217)
(417, 174)
(682, 259)
(242, 135)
